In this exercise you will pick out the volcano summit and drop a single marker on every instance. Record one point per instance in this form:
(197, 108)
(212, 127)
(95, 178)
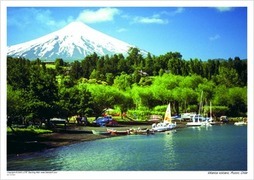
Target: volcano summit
(73, 42)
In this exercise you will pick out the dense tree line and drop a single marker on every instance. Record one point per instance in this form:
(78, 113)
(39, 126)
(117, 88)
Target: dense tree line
(105, 68)
(86, 87)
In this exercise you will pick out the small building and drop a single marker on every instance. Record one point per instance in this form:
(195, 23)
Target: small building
(143, 73)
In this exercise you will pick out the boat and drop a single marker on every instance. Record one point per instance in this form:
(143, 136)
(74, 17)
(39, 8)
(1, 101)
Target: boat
(117, 132)
(240, 123)
(101, 132)
(208, 121)
(196, 118)
(187, 116)
(199, 120)
(211, 117)
(167, 124)
(140, 131)
(211, 121)
(194, 123)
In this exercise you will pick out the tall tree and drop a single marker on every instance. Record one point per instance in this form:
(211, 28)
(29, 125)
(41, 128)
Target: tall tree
(16, 104)
(149, 64)
(18, 72)
(134, 58)
(42, 94)
(76, 70)
(226, 76)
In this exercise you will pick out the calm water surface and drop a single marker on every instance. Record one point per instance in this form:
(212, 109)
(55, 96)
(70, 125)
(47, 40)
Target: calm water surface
(218, 148)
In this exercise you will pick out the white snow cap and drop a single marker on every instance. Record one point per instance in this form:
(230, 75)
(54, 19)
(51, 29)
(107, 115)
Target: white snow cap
(73, 42)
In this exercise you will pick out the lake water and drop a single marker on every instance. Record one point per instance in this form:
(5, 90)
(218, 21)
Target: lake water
(215, 148)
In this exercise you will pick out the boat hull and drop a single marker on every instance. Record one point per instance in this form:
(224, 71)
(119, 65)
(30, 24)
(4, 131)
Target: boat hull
(100, 132)
(160, 127)
(194, 124)
(240, 123)
(140, 132)
(215, 123)
(198, 124)
(115, 132)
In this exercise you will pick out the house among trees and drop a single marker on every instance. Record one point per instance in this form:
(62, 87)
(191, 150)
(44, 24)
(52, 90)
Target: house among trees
(142, 73)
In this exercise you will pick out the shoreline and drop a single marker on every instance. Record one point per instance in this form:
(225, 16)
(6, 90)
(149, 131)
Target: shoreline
(27, 143)
(24, 144)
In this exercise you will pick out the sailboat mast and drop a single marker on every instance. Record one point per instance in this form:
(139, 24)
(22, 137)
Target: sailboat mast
(210, 109)
(200, 105)
(211, 116)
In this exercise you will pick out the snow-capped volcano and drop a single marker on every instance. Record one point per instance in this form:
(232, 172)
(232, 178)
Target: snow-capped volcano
(73, 42)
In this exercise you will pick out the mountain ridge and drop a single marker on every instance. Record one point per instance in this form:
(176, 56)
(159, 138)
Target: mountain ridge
(73, 42)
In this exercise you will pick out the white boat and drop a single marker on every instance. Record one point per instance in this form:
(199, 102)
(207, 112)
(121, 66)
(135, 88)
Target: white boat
(187, 116)
(208, 121)
(197, 120)
(193, 123)
(240, 123)
(167, 124)
(211, 121)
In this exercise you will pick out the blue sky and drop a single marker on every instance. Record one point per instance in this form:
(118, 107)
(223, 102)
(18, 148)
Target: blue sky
(195, 32)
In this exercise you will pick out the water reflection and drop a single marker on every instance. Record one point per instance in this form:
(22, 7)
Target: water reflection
(169, 150)
(188, 149)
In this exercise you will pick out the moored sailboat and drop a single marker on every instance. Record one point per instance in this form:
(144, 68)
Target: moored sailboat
(199, 120)
(196, 119)
(167, 122)
(208, 120)
(211, 120)
(194, 122)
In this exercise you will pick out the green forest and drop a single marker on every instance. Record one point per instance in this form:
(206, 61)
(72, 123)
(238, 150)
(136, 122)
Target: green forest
(132, 84)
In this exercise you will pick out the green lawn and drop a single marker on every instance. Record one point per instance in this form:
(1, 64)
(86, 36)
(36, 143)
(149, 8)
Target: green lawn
(29, 130)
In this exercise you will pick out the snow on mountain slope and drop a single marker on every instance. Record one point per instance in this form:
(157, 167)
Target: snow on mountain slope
(73, 42)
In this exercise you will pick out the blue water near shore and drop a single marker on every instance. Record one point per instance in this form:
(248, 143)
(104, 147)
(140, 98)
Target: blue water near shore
(215, 148)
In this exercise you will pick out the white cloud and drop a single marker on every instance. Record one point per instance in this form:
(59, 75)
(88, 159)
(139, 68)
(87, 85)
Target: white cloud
(41, 18)
(100, 15)
(215, 37)
(178, 10)
(155, 19)
(224, 9)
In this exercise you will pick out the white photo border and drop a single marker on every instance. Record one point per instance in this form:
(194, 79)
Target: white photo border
(126, 174)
